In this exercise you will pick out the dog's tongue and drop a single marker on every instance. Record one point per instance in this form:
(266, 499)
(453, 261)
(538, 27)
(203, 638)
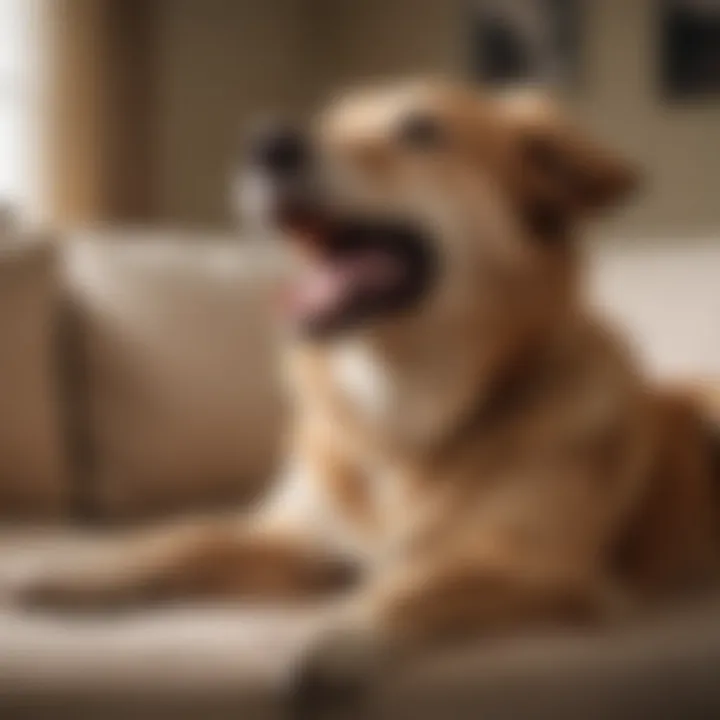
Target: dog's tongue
(333, 283)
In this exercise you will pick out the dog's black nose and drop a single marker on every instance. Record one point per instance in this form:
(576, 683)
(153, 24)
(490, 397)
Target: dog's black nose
(280, 150)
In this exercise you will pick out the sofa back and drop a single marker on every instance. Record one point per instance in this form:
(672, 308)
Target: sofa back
(137, 375)
(178, 401)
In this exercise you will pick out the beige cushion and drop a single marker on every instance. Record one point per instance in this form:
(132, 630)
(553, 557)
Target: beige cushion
(182, 407)
(31, 467)
(234, 661)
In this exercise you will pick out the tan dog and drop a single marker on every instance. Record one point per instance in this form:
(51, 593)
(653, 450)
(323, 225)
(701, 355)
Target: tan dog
(468, 436)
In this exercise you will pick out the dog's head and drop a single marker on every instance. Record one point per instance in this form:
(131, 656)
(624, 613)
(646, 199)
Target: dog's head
(430, 203)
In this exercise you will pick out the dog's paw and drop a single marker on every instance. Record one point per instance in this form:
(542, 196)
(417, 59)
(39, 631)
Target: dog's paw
(335, 677)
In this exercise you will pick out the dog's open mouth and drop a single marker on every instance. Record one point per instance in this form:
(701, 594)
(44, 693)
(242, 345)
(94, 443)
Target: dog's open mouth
(359, 270)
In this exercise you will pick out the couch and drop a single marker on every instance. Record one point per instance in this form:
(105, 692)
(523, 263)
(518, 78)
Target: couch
(139, 383)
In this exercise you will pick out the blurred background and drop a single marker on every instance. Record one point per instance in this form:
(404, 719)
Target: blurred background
(131, 110)
(136, 369)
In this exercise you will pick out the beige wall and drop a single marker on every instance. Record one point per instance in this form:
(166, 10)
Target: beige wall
(376, 38)
(679, 146)
(221, 60)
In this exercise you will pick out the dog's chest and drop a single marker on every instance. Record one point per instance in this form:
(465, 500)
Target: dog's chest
(364, 381)
(402, 404)
(403, 413)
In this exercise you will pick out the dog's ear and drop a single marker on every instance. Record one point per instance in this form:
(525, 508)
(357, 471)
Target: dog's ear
(561, 174)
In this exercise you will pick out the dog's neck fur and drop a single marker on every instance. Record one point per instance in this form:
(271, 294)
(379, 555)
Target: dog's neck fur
(412, 401)
(418, 392)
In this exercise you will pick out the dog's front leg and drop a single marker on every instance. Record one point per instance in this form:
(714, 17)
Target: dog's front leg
(210, 560)
(283, 550)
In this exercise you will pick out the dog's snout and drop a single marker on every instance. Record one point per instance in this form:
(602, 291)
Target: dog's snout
(281, 150)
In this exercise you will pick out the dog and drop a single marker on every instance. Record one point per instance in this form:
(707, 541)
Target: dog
(473, 451)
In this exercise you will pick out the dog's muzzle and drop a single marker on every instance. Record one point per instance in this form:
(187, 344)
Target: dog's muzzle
(360, 268)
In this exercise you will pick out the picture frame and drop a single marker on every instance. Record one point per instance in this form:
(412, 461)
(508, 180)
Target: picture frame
(525, 42)
(689, 49)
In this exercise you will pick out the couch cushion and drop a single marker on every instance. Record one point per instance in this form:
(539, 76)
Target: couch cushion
(181, 403)
(31, 454)
(186, 661)
(225, 661)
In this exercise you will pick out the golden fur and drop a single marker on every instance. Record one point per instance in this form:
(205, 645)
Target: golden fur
(494, 458)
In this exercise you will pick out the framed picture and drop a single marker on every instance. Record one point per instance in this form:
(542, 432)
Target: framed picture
(525, 41)
(690, 48)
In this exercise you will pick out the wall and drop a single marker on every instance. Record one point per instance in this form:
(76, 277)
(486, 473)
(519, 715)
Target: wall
(219, 62)
(376, 38)
(677, 145)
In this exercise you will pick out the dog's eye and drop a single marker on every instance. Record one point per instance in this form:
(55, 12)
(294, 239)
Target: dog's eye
(420, 131)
